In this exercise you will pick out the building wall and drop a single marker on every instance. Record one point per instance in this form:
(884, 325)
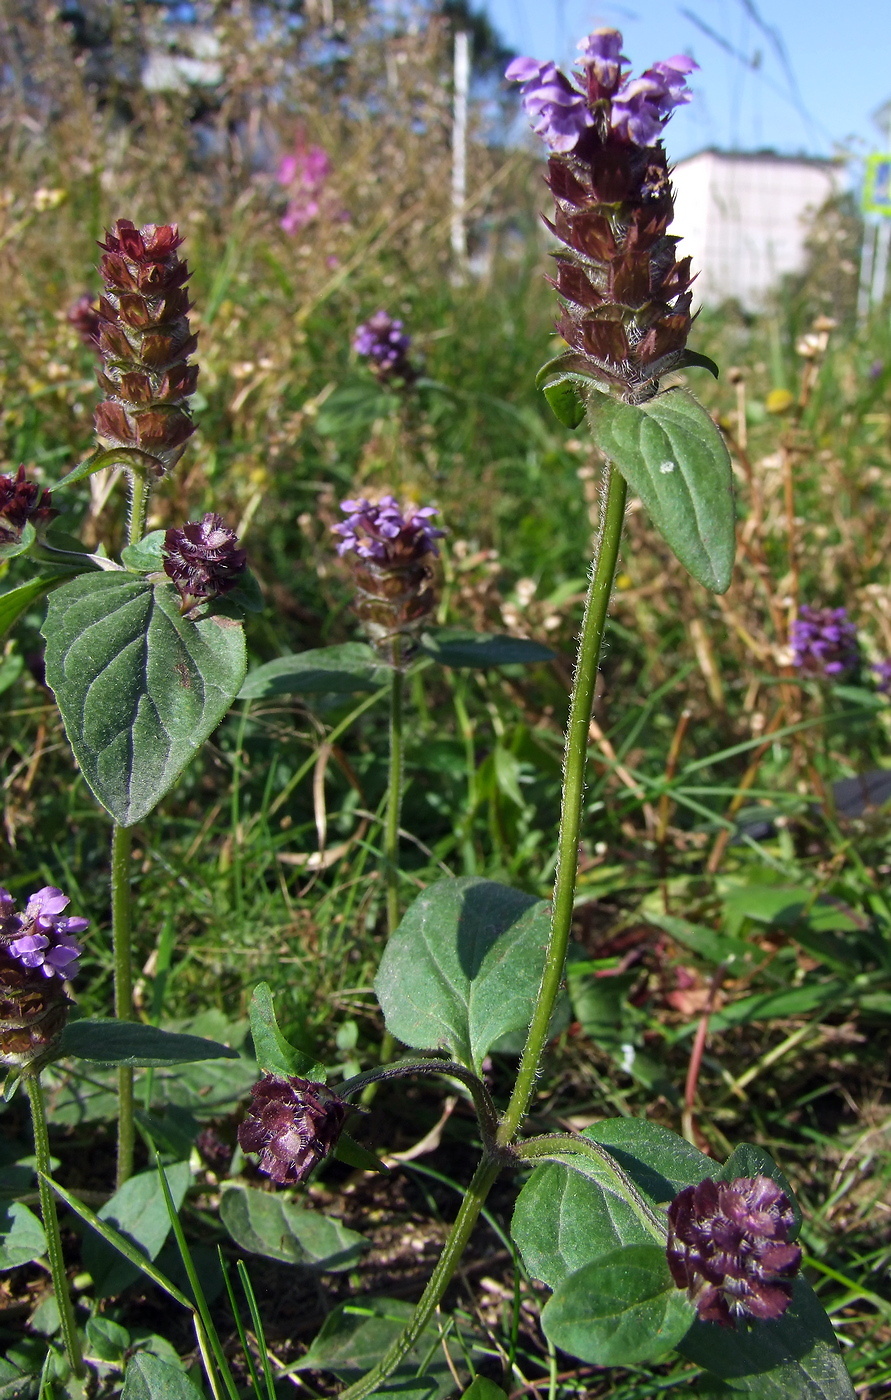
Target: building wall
(744, 220)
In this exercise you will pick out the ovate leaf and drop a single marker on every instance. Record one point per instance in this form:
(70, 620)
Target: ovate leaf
(21, 1236)
(132, 1043)
(622, 1309)
(340, 670)
(673, 456)
(463, 968)
(17, 600)
(139, 686)
(275, 1055)
(265, 1223)
(149, 1378)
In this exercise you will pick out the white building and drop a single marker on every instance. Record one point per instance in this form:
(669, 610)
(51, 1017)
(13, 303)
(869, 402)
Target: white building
(744, 218)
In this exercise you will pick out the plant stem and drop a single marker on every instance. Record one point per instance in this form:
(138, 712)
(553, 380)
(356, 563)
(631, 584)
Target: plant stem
(121, 931)
(590, 642)
(394, 803)
(439, 1281)
(139, 499)
(576, 753)
(51, 1225)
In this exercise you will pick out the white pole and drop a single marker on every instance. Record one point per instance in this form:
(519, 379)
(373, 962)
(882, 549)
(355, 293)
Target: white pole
(880, 270)
(867, 264)
(459, 151)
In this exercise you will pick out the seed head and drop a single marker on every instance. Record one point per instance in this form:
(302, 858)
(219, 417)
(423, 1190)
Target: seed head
(293, 1124)
(203, 559)
(728, 1246)
(145, 342)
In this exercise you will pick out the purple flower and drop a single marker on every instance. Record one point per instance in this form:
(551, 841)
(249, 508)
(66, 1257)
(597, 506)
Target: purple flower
(637, 109)
(386, 533)
(883, 676)
(603, 58)
(384, 342)
(22, 501)
(43, 936)
(728, 1246)
(203, 559)
(823, 641)
(293, 1124)
(558, 111)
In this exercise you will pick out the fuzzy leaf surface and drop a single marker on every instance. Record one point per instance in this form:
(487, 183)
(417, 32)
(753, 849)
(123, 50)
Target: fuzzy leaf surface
(673, 456)
(571, 1211)
(275, 1054)
(463, 967)
(139, 686)
(149, 1378)
(621, 1309)
(265, 1223)
(794, 1358)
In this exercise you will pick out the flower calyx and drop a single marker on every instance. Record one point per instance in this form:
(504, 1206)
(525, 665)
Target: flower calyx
(293, 1124)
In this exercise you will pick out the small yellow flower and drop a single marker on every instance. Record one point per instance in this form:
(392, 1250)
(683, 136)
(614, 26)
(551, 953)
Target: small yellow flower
(779, 401)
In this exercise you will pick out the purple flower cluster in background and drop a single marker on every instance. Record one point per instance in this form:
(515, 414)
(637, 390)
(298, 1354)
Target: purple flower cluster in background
(293, 1124)
(303, 172)
(22, 501)
(43, 936)
(883, 676)
(385, 532)
(728, 1246)
(824, 641)
(383, 341)
(635, 109)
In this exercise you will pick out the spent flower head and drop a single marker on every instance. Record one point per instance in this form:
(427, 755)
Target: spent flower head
(22, 502)
(145, 342)
(625, 297)
(729, 1247)
(203, 559)
(293, 1124)
(385, 343)
(824, 641)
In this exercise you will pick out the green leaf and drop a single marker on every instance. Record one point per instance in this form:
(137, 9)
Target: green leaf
(275, 1055)
(573, 1210)
(463, 968)
(566, 402)
(713, 946)
(132, 1043)
(139, 686)
(794, 1358)
(354, 1337)
(21, 1236)
(137, 1210)
(149, 1378)
(355, 1155)
(17, 600)
(693, 359)
(146, 556)
(129, 457)
(266, 1223)
(457, 647)
(339, 670)
(11, 548)
(673, 456)
(106, 1340)
(481, 1389)
(620, 1310)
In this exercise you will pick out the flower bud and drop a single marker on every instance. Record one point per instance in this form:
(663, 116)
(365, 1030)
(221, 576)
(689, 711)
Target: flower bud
(393, 549)
(145, 342)
(203, 559)
(293, 1124)
(22, 501)
(728, 1246)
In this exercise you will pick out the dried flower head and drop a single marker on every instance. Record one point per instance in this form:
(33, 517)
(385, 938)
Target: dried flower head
(38, 952)
(394, 547)
(22, 501)
(203, 559)
(728, 1246)
(145, 342)
(824, 641)
(385, 344)
(293, 1124)
(626, 298)
(83, 315)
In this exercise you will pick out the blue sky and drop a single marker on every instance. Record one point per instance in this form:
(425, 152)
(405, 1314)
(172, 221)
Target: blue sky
(806, 79)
